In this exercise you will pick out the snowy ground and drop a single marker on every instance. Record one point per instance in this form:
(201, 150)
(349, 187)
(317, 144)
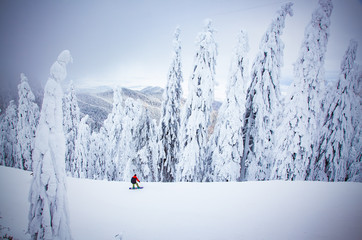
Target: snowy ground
(249, 210)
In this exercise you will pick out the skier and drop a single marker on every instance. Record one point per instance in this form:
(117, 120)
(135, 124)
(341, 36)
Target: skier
(134, 181)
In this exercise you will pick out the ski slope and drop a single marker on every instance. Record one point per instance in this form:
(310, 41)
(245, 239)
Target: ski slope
(160, 211)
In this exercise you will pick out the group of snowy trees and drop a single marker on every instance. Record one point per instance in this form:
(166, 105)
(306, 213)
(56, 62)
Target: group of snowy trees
(18, 125)
(259, 135)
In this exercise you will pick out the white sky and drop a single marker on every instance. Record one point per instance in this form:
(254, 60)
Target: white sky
(129, 43)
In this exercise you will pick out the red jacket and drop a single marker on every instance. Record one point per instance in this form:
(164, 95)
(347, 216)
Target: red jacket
(135, 177)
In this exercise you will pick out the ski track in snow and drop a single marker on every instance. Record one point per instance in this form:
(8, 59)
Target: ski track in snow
(248, 210)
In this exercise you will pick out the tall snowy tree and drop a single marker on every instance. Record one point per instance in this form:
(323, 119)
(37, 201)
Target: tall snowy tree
(113, 127)
(198, 107)
(170, 117)
(263, 102)
(71, 122)
(83, 168)
(226, 143)
(48, 212)
(335, 143)
(137, 142)
(97, 148)
(299, 130)
(146, 147)
(28, 116)
(8, 135)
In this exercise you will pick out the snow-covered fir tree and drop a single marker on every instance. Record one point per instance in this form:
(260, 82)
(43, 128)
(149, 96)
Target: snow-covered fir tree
(137, 142)
(226, 143)
(146, 148)
(263, 102)
(333, 154)
(28, 116)
(304, 106)
(8, 135)
(71, 122)
(170, 117)
(196, 114)
(48, 212)
(113, 127)
(97, 150)
(83, 168)
(130, 120)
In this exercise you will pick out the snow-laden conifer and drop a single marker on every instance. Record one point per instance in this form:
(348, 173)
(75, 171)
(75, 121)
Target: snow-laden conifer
(299, 129)
(97, 150)
(71, 122)
(137, 142)
(263, 102)
(170, 117)
(335, 144)
(146, 148)
(196, 114)
(130, 120)
(113, 127)
(84, 167)
(8, 135)
(28, 116)
(48, 212)
(226, 143)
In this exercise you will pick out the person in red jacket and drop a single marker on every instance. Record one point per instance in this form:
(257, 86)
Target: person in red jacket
(134, 181)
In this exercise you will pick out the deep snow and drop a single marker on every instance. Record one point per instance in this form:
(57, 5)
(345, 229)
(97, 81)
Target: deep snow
(248, 210)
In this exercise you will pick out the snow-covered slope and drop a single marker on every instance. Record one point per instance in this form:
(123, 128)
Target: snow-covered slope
(247, 210)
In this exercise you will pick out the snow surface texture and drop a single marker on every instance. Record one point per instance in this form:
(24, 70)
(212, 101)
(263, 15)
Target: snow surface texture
(244, 210)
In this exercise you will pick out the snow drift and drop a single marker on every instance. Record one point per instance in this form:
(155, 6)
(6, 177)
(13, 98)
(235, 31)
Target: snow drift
(229, 210)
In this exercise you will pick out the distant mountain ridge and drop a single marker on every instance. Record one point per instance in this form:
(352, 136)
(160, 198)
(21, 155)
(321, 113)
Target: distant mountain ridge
(98, 103)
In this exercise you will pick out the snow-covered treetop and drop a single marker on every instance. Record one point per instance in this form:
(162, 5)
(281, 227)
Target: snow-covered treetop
(347, 63)
(326, 7)
(206, 42)
(266, 67)
(202, 79)
(239, 64)
(24, 88)
(308, 69)
(243, 44)
(117, 99)
(278, 24)
(314, 46)
(58, 70)
(176, 40)
(23, 78)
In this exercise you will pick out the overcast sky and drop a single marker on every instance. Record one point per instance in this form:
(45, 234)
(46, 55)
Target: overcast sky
(129, 43)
